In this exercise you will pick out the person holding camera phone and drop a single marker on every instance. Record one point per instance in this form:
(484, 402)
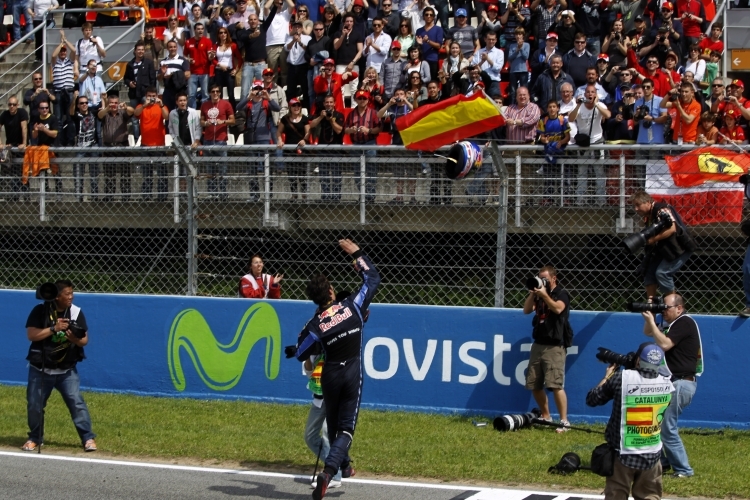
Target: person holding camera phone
(331, 132)
(396, 107)
(152, 114)
(651, 119)
(680, 339)
(636, 466)
(58, 333)
(550, 303)
(259, 129)
(685, 111)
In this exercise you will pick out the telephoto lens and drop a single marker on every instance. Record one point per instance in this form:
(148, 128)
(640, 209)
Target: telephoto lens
(505, 423)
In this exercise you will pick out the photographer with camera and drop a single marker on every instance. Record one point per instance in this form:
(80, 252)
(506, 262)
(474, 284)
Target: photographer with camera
(650, 119)
(550, 304)
(58, 333)
(588, 117)
(685, 111)
(635, 443)
(681, 341)
(668, 249)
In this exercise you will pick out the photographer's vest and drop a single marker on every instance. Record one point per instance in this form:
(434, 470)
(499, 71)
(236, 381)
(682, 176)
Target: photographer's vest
(59, 356)
(677, 244)
(644, 401)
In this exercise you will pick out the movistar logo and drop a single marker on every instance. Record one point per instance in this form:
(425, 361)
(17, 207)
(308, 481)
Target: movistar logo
(220, 366)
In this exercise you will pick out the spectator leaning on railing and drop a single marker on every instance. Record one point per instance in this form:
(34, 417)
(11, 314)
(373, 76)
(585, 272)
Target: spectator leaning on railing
(588, 116)
(685, 112)
(140, 74)
(406, 183)
(16, 122)
(114, 118)
(216, 116)
(86, 136)
(331, 123)
(521, 119)
(152, 114)
(363, 127)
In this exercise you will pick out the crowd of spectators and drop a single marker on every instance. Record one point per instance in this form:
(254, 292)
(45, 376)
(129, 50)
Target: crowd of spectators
(630, 71)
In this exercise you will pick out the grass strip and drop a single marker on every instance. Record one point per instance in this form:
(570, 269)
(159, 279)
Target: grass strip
(408, 445)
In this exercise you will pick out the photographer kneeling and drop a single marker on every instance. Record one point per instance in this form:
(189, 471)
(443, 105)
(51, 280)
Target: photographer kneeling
(58, 332)
(640, 393)
(681, 341)
(668, 250)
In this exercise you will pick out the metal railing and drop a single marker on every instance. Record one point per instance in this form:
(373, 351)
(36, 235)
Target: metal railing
(181, 221)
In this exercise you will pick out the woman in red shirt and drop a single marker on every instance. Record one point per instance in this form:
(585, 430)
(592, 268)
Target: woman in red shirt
(258, 285)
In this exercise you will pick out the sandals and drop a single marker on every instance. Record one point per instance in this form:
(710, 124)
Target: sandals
(90, 445)
(29, 446)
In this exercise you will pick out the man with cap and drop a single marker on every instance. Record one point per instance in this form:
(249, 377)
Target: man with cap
(732, 99)
(363, 127)
(491, 22)
(275, 93)
(464, 34)
(297, 65)
(666, 18)
(259, 129)
(640, 396)
(660, 46)
(639, 35)
(392, 71)
(251, 36)
(629, 11)
(539, 60)
(566, 28)
(328, 82)
(680, 339)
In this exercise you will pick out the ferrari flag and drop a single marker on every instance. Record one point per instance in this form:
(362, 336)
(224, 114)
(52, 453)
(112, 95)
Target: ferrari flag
(701, 184)
(446, 122)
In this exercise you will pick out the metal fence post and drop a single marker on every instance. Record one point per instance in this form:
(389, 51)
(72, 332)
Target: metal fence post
(42, 195)
(362, 187)
(622, 190)
(176, 190)
(502, 225)
(184, 156)
(518, 189)
(267, 187)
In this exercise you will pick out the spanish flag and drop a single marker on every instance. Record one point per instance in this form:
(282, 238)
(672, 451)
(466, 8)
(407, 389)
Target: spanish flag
(702, 184)
(446, 122)
(639, 416)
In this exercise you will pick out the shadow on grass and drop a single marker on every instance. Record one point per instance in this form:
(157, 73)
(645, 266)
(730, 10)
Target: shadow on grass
(255, 489)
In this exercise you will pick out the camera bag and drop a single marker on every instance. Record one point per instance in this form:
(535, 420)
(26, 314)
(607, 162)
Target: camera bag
(584, 140)
(568, 464)
(603, 460)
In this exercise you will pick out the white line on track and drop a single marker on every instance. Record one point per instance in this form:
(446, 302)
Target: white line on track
(483, 493)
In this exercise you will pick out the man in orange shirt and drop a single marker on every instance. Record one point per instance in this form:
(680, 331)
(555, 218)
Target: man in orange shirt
(152, 113)
(685, 111)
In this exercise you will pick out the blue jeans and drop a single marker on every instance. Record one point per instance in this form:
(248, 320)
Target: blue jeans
(217, 171)
(371, 172)
(135, 122)
(79, 170)
(478, 185)
(68, 385)
(746, 276)
(662, 272)
(251, 72)
(19, 9)
(193, 84)
(670, 435)
(316, 434)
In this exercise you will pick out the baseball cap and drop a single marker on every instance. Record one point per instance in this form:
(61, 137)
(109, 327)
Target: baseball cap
(396, 44)
(667, 6)
(460, 12)
(361, 93)
(293, 101)
(358, 3)
(568, 13)
(732, 112)
(257, 83)
(639, 17)
(673, 56)
(602, 57)
(651, 356)
(267, 71)
(737, 83)
(329, 61)
(551, 34)
(492, 8)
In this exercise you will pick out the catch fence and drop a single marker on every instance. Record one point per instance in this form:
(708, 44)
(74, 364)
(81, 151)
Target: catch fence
(185, 222)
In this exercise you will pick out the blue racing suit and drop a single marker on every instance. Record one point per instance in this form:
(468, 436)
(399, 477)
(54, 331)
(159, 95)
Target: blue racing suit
(336, 329)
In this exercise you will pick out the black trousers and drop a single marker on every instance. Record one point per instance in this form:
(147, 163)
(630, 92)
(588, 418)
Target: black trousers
(342, 393)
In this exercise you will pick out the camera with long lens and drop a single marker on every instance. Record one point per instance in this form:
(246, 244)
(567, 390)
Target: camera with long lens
(657, 306)
(537, 282)
(627, 361)
(47, 292)
(505, 423)
(636, 241)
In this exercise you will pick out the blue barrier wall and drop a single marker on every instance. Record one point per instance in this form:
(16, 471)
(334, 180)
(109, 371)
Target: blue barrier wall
(417, 358)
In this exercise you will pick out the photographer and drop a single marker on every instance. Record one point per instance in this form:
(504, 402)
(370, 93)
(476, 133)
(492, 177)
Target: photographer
(331, 132)
(588, 117)
(636, 464)
(650, 119)
(58, 333)
(550, 304)
(406, 182)
(681, 342)
(685, 112)
(665, 252)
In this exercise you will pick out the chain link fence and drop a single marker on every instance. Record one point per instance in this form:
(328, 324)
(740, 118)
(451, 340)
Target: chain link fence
(179, 221)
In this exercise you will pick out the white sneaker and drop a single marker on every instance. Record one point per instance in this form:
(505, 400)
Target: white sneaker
(565, 427)
(335, 483)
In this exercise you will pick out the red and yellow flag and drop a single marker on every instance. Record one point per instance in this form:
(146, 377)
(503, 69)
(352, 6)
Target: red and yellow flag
(446, 122)
(639, 416)
(707, 164)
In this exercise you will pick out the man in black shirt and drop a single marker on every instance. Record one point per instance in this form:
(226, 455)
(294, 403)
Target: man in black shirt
(36, 96)
(348, 45)
(58, 333)
(331, 132)
(252, 41)
(140, 74)
(16, 122)
(681, 342)
(86, 136)
(550, 304)
(336, 330)
(319, 42)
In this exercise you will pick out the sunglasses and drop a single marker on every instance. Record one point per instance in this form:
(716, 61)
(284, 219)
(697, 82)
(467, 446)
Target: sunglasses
(296, 105)
(646, 87)
(717, 85)
(36, 79)
(215, 92)
(82, 102)
(580, 41)
(12, 104)
(301, 11)
(318, 29)
(378, 25)
(403, 26)
(361, 98)
(44, 108)
(427, 14)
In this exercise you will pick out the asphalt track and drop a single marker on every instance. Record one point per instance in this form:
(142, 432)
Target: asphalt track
(28, 475)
